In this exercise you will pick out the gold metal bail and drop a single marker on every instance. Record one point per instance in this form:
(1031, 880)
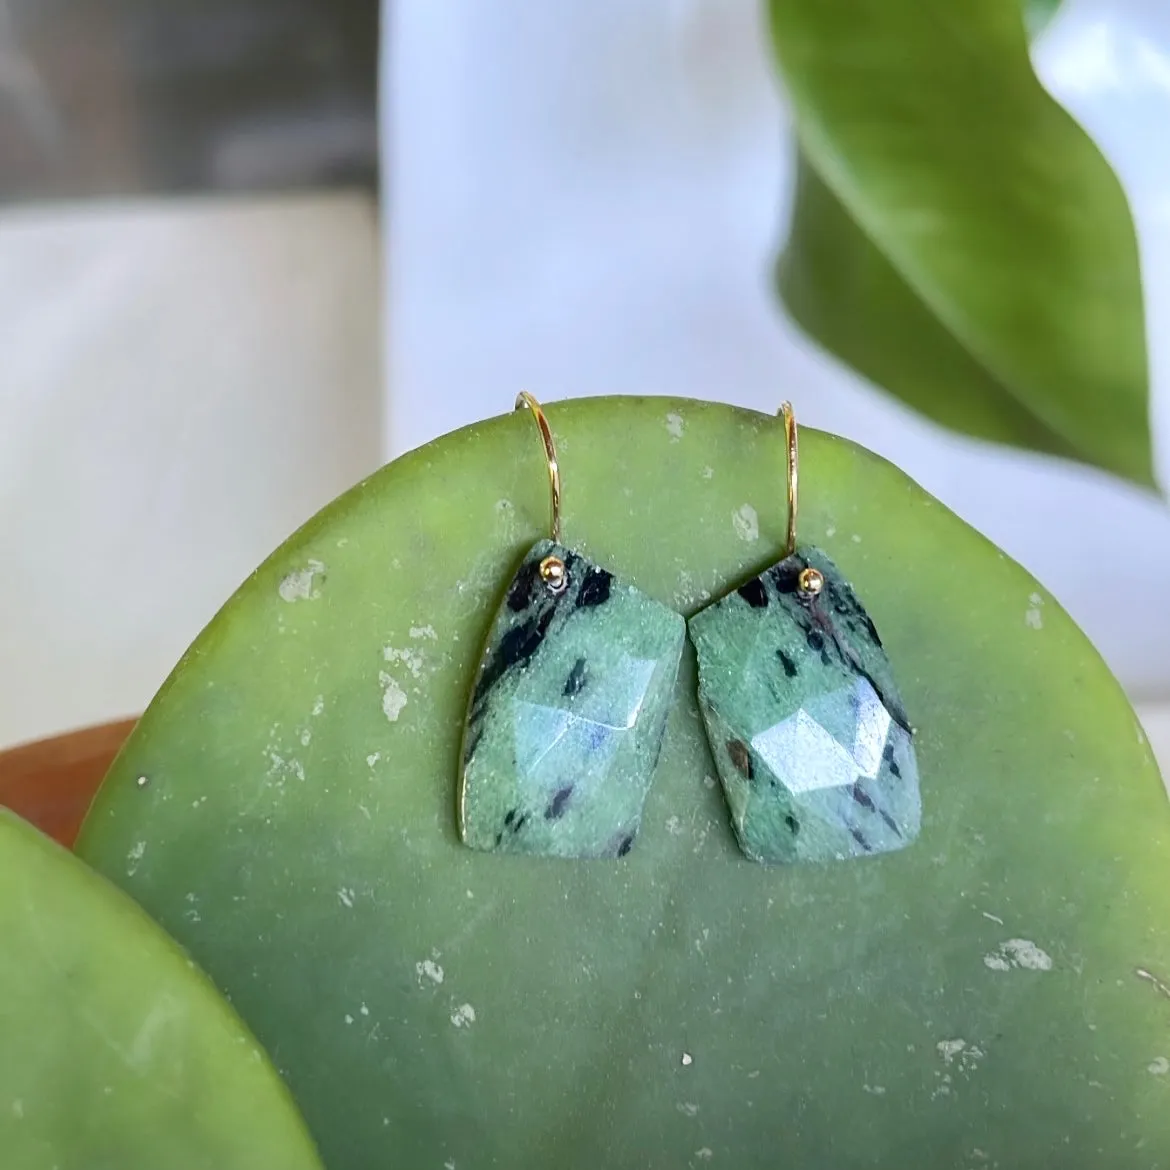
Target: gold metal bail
(524, 399)
(793, 475)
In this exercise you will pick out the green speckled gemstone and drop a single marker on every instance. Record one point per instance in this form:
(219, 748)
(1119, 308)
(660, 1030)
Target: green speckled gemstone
(568, 712)
(805, 723)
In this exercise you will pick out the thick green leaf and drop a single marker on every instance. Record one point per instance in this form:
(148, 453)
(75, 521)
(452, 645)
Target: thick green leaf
(995, 987)
(115, 1053)
(961, 241)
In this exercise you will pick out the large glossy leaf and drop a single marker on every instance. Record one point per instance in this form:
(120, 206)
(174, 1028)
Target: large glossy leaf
(957, 237)
(115, 1054)
(994, 993)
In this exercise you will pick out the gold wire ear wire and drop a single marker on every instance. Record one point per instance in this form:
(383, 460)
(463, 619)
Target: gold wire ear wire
(811, 581)
(552, 568)
(793, 475)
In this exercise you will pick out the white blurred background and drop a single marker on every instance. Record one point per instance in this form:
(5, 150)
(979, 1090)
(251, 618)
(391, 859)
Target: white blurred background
(579, 199)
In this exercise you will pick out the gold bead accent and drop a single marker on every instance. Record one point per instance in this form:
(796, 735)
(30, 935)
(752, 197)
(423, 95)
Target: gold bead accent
(553, 574)
(811, 581)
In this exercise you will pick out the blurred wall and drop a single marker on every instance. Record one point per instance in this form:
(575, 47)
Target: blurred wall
(586, 199)
(105, 97)
(182, 384)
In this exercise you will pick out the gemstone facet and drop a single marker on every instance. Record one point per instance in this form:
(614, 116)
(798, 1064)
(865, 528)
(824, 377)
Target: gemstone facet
(805, 722)
(568, 711)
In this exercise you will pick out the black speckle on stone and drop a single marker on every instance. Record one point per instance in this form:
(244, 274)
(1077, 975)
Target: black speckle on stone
(627, 843)
(515, 648)
(871, 629)
(816, 640)
(521, 592)
(741, 757)
(888, 756)
(890, 821)
(471, 742)
(509, 817)
(860, 839)
(576, 679)
(787, 663)
(520, 823)
(499, 838)
(658, 752)
(595, 588)
(862, 798)
(754, 593)
(558, 804)
(793, 824)
(786, 575)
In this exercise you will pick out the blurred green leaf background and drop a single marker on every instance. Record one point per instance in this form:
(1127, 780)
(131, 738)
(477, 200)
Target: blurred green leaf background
(957, 238)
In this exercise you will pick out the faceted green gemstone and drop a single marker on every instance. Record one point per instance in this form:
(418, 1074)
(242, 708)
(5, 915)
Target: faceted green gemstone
(805, 723)
(568, 712)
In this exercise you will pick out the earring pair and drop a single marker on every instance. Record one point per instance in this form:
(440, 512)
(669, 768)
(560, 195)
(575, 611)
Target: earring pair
(567, 715)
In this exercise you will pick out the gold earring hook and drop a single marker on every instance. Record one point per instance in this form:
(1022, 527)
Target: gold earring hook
(793, 475)
(526, 400)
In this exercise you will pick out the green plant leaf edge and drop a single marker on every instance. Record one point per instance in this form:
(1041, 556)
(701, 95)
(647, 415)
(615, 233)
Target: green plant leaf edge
(117, 1054)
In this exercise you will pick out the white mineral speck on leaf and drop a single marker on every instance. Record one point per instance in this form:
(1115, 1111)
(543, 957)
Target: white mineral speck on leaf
(707, 472)
(949, 1049)
(134, 856)
(411, 659)
(373, 758)
(301, 584)
(705, 1154)
(345, 897)
(463, 1016)
(1033, 618)
(1159, 1067)
(875, 1090)
(1018, 952)
(429, 969)
(746, 522)
(674, 426)
(318, 704)
(687, 1060)
(306, 735)
(348, 1018)
(142, 781)
(424, 632)
(393, 698)
(689, 1108)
